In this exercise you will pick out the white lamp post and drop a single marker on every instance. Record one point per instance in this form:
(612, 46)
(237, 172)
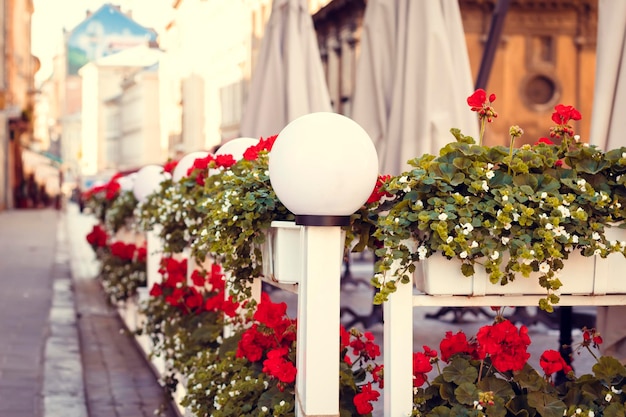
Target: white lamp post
(146, 182)
(323, 167)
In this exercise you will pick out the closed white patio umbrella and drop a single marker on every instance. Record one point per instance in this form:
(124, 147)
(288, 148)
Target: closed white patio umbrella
(288, 79)
(412, 79)
(607, 131)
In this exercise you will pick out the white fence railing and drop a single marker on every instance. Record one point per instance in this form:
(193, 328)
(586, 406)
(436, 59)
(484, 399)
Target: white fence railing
(318, 257)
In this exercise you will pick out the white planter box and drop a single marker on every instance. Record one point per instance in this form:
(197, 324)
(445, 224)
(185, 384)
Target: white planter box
(608, 269)
(438, 275)
(282, 253)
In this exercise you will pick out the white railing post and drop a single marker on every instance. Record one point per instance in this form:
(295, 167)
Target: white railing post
(154, 252)
(317, 384)
(398, 352)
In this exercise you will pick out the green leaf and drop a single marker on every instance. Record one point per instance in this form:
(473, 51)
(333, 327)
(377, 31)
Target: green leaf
(526, 180)
(529, 379)
(615, 410)
(608, 368)
(518, 406)
(499, 387)
(460, 371)
(466, 393)
(546, 405)
(440, 411)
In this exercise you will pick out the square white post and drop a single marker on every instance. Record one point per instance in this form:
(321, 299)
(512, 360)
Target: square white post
(154, 249)
(398, 352)
(317, 384)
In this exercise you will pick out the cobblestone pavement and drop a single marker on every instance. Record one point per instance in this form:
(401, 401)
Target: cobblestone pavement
(118, 379)
(62, 351)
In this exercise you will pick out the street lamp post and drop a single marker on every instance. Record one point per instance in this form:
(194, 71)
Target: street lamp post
(323, 167)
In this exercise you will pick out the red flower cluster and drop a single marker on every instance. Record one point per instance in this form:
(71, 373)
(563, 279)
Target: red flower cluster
(200, 168)
(170, 166)
(591, 338)
(110, 190)
(206, 293)
(378, 192)
(97, 238)
(128, 251)
(561, 116)
(551, 361)
(270, 340)
(252, 153)
(505, 344)
(224, 161)
(479, 103)
(453, 344)
(363, 400)
(422, 365)
(362, 347)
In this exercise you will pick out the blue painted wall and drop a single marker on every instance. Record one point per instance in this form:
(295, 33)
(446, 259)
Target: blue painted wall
(105, 32)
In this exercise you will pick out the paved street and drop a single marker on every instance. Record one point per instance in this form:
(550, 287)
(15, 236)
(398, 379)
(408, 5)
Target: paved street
(63, 351)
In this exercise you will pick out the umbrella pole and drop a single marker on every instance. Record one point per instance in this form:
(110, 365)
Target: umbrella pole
(493, 39)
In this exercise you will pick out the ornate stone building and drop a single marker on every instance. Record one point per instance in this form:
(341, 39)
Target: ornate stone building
(545, 56)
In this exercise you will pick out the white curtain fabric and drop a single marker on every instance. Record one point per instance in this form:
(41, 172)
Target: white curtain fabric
(288, 79)
(607, 131)
(412, 79)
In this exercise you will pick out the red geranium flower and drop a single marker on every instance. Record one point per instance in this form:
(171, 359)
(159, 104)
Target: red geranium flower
(156, 290)
(505, 344)
(229, 306)
(563, 114)
(277, 366)
(142, 254)
(478, 102)
(551, 361)
(378, 192)
(421, 367)
(224, 161)
(453, 344)
(170, 166)
(269, 313)
(362, 401)
(97, 237)
(543, 140)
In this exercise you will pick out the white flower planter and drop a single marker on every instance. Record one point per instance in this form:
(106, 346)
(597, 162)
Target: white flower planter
(282, 252)
(438, 275)
(608, 280)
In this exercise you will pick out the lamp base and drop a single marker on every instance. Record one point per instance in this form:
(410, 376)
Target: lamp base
(317, 220)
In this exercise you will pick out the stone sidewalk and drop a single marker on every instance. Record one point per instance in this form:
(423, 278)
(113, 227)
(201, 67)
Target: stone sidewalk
(63, 351)
(117, 377)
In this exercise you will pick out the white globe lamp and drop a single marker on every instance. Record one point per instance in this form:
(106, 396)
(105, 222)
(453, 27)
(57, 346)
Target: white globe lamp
(323, 167)
(236, 147)
(126, 182)
(185, 163)
(147, 181)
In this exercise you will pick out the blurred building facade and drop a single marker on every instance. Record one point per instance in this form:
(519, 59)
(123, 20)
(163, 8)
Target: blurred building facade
(17, 69)
(545, 56)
